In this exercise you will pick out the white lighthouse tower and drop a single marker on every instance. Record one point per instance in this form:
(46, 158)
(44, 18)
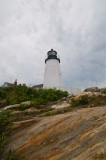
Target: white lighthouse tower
(52, 77)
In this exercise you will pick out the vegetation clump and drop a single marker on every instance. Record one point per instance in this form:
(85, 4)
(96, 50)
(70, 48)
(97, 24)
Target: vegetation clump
(5, 121)
(23, 106)
(81, 101)
(86, 100)
(103, 92)
(21, 93)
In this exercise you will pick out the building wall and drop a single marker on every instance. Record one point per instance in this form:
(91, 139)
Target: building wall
(52, 77)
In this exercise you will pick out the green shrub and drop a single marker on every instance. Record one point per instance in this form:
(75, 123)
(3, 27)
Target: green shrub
(2, 103)
(5, 121)
(3, 139)
(21, 93)
(104, 92)
(23, 106)
(97, 101)
(33, 103)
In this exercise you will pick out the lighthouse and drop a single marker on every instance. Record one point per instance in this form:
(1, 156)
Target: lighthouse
(52, 77)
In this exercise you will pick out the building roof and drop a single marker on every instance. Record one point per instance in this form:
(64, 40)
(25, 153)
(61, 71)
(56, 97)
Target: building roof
(6, 84)
(37, 86)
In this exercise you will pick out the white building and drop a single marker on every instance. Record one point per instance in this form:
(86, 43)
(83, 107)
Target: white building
(52, 77)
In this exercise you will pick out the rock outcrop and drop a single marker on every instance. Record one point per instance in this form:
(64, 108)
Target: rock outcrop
(77, 135)
(72, 128)
(95, 89)
(13, 106)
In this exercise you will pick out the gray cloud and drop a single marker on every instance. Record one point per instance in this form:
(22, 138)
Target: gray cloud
(75, 29)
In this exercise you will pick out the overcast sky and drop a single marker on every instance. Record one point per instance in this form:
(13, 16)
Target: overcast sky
(76, 29)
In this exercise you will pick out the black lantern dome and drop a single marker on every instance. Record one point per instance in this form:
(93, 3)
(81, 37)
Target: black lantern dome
(52, 55)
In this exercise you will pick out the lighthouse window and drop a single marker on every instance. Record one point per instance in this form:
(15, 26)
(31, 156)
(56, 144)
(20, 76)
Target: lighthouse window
(50, 53)
(53, 53)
